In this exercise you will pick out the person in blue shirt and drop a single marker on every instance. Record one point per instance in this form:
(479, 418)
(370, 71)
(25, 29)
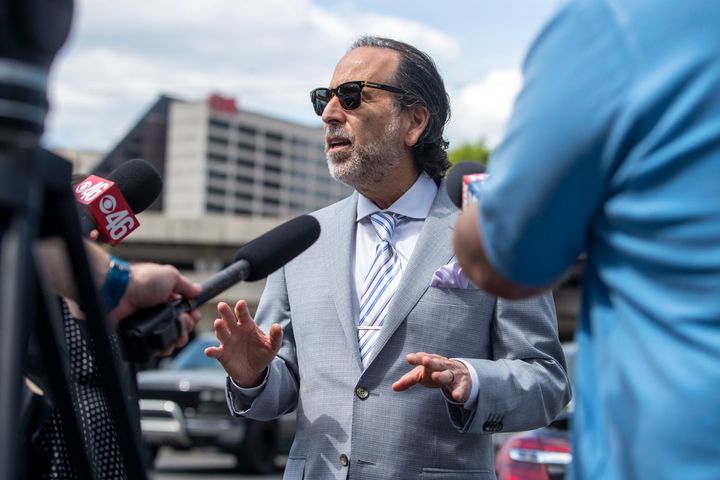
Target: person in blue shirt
(613, 149)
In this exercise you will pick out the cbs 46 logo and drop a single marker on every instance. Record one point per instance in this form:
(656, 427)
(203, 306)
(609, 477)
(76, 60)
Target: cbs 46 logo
(118, 223)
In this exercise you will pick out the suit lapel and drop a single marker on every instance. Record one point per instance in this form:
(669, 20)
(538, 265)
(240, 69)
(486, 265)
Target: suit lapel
(340, 247)
(433, 250)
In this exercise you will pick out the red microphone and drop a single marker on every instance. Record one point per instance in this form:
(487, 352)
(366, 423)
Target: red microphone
(110, 204)
(104, 202)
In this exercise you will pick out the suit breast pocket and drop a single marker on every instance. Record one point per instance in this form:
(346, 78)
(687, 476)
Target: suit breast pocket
(458, 296)
(453, 322)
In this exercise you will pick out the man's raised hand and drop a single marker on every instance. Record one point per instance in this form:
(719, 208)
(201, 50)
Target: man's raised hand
(244, 351)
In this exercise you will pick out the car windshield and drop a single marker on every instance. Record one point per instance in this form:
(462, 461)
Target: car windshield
(193, 358)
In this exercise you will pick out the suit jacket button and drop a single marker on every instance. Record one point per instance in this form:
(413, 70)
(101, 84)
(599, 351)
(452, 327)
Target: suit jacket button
(362, 393)
(344, 460)
(488, 426)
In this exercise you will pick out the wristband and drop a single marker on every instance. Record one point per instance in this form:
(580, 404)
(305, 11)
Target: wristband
(116, 282)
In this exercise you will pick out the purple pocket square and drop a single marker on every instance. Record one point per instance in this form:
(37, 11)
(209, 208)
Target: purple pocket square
(450, 276)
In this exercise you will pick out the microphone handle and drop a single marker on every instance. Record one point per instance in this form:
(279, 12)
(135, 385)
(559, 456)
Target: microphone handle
(218, 283)
(153, 329)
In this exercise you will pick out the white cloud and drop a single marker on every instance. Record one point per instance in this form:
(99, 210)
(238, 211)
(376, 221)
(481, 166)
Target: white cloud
(268, 55)
(481, 109)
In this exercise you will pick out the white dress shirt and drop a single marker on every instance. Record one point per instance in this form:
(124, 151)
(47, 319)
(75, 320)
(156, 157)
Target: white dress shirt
(414, 204)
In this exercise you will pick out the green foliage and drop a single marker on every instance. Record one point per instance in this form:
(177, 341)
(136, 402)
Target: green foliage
(469, 152)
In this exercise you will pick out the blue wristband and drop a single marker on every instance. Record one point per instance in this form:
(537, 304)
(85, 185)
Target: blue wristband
(116, 282)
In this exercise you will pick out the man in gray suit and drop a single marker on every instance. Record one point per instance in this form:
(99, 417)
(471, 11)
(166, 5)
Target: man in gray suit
(342, 330)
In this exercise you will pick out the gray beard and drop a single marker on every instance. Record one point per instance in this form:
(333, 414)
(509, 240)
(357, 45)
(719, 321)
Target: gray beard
(367, 165)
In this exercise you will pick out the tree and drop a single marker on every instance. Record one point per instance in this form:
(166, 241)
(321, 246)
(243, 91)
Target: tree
(470, 152)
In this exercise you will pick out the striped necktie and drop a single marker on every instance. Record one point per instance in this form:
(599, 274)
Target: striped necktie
(380, 283)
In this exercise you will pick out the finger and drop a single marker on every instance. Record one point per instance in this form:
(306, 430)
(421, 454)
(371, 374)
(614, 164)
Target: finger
(213, 352)
(411, 378)
(276, 336)
(196, 315)
(221, 332)
(187, 322)
(183, 338)
(227, 316)
(436, 363)
(415, 358)
(460, 394)
(186, 288)
(243, 315)
(167, 351)
(444, 378)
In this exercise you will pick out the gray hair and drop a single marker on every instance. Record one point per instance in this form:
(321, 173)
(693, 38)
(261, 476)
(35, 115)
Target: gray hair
(419, 77)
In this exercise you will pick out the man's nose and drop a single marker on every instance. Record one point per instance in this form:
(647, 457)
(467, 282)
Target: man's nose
(333, 113)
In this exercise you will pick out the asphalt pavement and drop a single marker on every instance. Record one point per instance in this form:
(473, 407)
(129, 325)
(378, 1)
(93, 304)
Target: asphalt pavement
(195, 464)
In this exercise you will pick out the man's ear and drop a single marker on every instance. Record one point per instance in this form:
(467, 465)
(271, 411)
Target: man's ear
(419, 116)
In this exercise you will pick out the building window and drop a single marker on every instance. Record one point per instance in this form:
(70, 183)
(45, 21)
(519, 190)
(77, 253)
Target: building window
(216, 158)
(272, 168)
(214, 122)
(245, 146)
(247, 130)
(245, 162)
(218, 140)
(273, 152)
(216, 191)
(274, 136)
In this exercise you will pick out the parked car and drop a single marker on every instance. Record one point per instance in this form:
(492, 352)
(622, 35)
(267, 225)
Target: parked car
(182, 405)
(544, 453)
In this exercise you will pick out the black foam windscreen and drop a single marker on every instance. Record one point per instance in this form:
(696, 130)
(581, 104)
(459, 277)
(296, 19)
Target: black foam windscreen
(454, 181)
(139, 182)
(277, 247)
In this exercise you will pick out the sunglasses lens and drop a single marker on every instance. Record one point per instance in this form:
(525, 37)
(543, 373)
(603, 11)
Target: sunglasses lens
(349, 95)
(320, 98)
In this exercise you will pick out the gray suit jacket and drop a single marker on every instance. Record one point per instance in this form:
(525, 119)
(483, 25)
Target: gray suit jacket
(417, 433)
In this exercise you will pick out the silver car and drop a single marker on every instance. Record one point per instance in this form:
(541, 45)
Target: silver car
(183, 405)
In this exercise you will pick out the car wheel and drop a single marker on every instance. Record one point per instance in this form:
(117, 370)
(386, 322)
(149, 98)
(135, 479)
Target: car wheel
(259, 448)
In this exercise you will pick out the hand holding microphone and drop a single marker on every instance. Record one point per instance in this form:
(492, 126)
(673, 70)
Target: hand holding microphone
(154, 329)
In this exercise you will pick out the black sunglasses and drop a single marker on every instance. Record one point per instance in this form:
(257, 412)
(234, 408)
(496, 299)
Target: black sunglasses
(349, 94)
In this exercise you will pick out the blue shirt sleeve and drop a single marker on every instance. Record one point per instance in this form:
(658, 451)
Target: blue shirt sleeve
(548, 176)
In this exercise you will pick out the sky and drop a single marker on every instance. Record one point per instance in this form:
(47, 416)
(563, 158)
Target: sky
(269, 54)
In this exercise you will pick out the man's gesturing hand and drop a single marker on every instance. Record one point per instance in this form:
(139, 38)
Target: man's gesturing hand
(244, 351)
(435, 371)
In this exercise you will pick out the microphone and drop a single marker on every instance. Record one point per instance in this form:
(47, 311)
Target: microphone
(153, 329)
(459, 182)
(110, 204)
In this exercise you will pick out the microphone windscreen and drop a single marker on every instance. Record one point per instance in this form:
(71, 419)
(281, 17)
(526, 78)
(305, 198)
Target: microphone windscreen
(139, 182)
(454, 183)
(277, 247)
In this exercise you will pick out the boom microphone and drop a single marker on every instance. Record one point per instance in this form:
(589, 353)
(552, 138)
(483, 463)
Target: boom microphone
(110, 204)
(154, 329)
(459, 179)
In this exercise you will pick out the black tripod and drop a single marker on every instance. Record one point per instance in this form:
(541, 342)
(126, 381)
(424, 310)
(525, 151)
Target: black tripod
(36, 201)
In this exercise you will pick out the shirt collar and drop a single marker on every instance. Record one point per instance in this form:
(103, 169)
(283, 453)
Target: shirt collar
(415, 203)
